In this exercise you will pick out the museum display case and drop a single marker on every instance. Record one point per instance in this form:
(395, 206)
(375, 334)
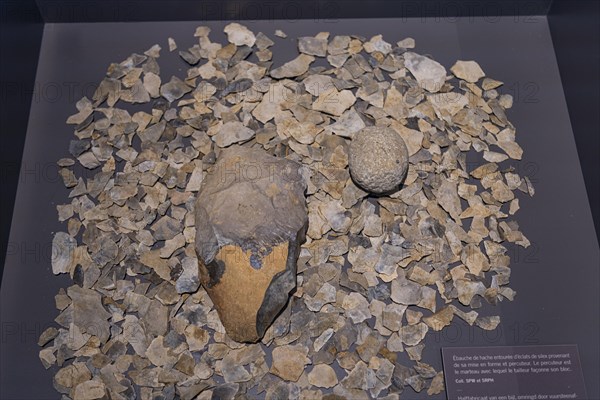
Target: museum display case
(299, 200)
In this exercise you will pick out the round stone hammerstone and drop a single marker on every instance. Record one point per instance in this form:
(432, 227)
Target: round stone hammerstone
(378, 159)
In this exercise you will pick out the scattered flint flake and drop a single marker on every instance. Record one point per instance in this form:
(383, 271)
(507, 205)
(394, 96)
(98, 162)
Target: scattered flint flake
(174, 89)
(296, 67)
(172, 44)
(468, 71)
(430, 74)
(63, 247)
(239, 35)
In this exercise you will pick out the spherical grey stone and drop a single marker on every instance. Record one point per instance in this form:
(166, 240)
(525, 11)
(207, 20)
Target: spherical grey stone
(378, 159)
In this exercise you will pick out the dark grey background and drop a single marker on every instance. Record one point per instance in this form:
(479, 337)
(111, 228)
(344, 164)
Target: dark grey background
(556, 278)
(222, 10)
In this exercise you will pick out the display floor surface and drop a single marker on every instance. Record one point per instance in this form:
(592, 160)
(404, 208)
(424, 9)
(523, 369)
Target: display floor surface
(556, 278)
